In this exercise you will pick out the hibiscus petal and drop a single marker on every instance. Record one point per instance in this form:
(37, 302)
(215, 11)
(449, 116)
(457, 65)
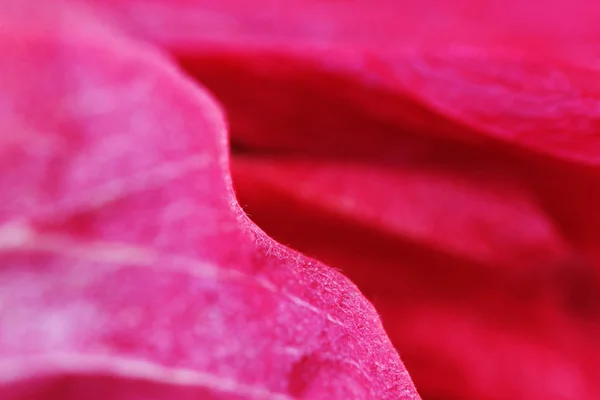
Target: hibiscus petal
(334, 82)
(506, 86)
(128, 269)
(436, 247)
(522, 83)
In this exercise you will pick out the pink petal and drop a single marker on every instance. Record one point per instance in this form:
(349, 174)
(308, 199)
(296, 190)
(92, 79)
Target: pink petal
(129, 270)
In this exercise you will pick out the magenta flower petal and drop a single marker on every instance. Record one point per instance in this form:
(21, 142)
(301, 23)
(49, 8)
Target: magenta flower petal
(128, 268)
(367, 80)
(442, 155)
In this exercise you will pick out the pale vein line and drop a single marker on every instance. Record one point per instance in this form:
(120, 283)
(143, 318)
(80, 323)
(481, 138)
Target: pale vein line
(120, 188)
(14, 369)
(19, 237)
(114, 190)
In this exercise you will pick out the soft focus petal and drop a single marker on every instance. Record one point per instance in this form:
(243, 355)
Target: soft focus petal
(128, 269)
(443, 154)
(448, 163)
